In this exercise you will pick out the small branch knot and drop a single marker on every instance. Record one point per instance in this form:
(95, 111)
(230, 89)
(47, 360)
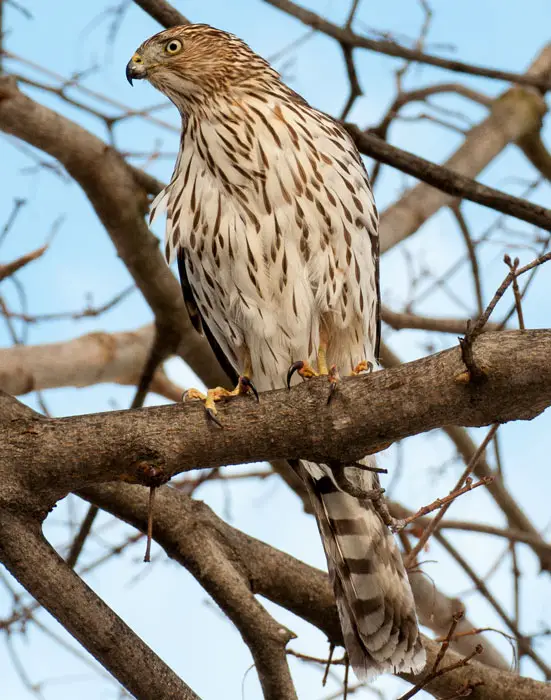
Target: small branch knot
(474, 374)
(149, 474)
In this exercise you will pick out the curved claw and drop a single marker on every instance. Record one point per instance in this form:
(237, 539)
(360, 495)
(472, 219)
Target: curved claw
(211, 413)
(332, 390)
(334, 378)
(247, 385)
(295, 367)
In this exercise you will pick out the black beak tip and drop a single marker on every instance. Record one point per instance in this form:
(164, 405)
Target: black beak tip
(129, 73)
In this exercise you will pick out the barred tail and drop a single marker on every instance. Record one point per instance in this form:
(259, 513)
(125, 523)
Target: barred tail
(372, 591)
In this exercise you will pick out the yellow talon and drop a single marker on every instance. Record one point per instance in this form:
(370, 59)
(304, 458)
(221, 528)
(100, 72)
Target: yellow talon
(363, 366)
(194, 395)
(217, 394)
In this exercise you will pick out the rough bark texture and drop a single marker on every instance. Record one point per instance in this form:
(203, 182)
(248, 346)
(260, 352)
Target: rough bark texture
(91, 359)
(367, 413)
(282, 579)
(32, 561)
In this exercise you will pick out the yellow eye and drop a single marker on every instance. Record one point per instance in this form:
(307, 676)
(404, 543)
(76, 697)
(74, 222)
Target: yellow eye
(174, 46)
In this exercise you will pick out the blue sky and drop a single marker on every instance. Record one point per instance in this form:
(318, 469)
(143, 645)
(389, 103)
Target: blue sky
(186, 630)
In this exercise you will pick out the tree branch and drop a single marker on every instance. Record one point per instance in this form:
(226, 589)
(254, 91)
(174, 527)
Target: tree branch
(163, 12)
(12, 267)
(446, 181)
(120, 203)
(404, 319)
(91, 359)
(404, 401)
(347, 37)
(27, 555)
(496, 488)
(284, 580)
(514, 514)
(512, 115)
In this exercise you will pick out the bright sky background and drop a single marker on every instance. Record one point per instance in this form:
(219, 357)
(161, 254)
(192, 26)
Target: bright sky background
(161, 601)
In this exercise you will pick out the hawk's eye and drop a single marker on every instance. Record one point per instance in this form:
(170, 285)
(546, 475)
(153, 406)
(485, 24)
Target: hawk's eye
(174, 46)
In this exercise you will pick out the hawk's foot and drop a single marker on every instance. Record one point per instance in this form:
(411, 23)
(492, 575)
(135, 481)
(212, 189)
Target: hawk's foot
(361, 367)
(305, 369)
(244, 386)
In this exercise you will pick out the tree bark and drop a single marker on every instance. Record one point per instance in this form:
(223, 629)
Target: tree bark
(367, 413)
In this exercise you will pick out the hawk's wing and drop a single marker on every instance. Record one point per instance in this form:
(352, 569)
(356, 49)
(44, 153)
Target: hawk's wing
(198, 320)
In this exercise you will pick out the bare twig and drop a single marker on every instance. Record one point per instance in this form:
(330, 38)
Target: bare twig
(17, 205)
(441, 502)
(471, 250)
(390, 48)
(481, 322)
(436, 671)
(474, 372)
(523, 643)
(513, 266)
(412, 556)
(12, 267)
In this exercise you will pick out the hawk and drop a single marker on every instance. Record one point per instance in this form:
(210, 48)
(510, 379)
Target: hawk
(271, 217)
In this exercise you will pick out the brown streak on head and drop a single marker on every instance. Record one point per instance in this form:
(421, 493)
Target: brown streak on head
(211, 63)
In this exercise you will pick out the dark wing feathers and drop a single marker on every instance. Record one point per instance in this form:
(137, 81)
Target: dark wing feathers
(187, 291)
(199, 322)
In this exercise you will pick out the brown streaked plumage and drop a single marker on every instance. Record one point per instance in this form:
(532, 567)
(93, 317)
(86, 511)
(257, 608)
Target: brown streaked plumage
(272, 219)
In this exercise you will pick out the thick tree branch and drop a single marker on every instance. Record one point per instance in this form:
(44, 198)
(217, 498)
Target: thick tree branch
(206, 558)
(100, 357)
(535, 150)
(120, 203)
(282, 579)
(32, 561)
(515, 113)
(109, 184)
(91, 359)
(163, 12)
(404, 401)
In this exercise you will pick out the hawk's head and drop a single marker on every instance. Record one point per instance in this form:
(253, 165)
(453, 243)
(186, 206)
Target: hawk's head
(194, 63)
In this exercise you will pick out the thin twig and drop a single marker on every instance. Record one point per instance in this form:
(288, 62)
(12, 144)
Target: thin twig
(441, 502)
(436, 671)
(471, 250)
(474, 373)
(151, 504)
(483, 589)
(513, 266)
(391, 48)
(17, 205)
(412, 556)
(12, 267)
(481, 322)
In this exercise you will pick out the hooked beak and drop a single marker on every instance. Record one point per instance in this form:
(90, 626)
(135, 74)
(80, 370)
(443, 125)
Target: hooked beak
(135, 69)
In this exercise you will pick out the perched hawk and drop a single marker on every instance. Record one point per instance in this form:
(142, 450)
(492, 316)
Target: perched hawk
(271, 217)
